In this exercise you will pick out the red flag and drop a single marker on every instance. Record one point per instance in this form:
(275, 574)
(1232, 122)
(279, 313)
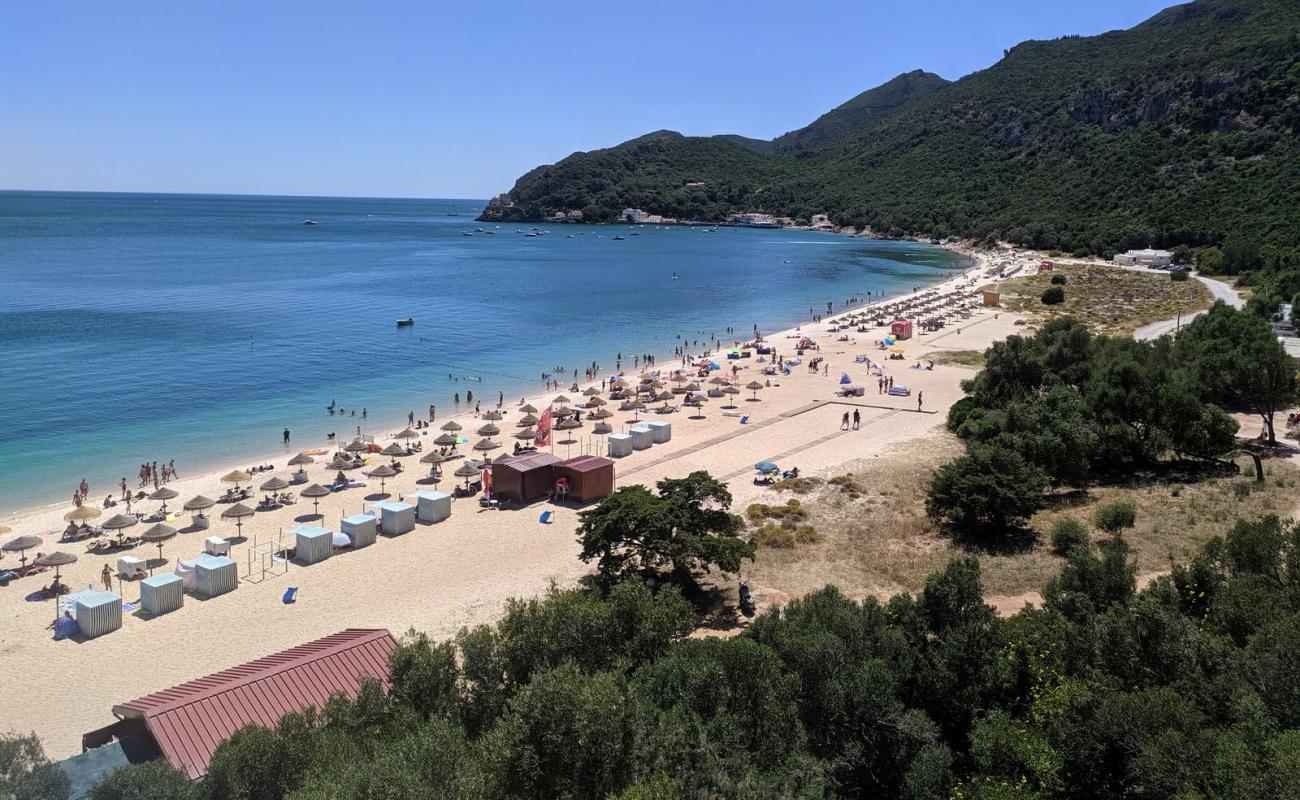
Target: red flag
(543, 437)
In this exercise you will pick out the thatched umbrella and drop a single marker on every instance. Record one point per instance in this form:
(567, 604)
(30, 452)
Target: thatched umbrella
(602, 429)
(492, 415)
(382, 472)
(561, 399)
(238, 512)
(484, 445)
(596, 402)
(635, 407)
(57, 559)
(357, 446)
(393, 449)
(600, 413)
(342, 464)
(568, 424)
(236, 476)
(197, 504)
(716, 381)
(489, 430)
(754, 386)
(158, 534)
(164, 494)
(82, 514)
(698, 399)
(665, 397)
(526, 420)
(467, 470)
(451, 425)
(120, 522)
(447, 440)
(526, 433)
(315, 492)
(731, 390)
(407, 434)
(275, 484)
(21, 545)
(692, 387)
(435, 457)
(300, 460)
(591, 391)
(528, 408)
(563, 411)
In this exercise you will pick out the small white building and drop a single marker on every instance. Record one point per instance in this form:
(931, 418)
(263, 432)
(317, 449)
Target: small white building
(1147, 257)
(634, 215)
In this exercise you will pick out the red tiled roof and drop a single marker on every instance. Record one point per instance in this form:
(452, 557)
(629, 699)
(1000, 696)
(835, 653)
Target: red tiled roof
(190, 720)
(585, 463)
(523, 463)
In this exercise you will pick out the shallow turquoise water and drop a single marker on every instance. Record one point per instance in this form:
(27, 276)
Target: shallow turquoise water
(153, 327)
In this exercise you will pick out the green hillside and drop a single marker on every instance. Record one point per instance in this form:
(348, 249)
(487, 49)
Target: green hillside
(1181, 130)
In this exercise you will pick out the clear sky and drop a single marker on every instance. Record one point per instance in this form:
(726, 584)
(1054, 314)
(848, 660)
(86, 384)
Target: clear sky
(428, 99)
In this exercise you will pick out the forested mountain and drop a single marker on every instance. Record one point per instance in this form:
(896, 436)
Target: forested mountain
(1181, 130)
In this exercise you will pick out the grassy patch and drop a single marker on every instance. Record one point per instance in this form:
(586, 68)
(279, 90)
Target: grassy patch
(1108, 299)
(959, 358)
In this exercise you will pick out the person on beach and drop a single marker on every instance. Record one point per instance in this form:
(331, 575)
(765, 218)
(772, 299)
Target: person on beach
(172, 466)
(76, 498)
(286, 435)
(107, 577)
(844, 422)
(918, 400)
(410, 418)
(364, 412)
(85, 488)
(469, 396)
(433, 412)
(124, 490)
(857, 419)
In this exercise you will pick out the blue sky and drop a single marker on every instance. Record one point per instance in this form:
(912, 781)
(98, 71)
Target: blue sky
(427, 99)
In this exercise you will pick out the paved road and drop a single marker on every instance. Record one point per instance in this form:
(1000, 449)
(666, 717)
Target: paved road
(1219, 289)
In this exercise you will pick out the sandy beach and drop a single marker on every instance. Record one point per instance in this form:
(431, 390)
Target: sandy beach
(439, 578)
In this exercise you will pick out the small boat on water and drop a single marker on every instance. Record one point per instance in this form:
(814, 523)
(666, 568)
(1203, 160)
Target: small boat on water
(406, 323)
(466, 233)
(309, 222)
(619, 238)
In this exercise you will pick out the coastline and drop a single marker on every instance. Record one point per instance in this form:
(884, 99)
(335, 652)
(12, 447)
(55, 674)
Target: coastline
(207, 471)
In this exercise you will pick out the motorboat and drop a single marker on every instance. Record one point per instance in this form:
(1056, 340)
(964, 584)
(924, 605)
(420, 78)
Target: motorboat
(406, 323)
(309, 222)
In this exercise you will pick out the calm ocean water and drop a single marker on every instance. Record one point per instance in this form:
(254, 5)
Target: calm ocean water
(154, 327)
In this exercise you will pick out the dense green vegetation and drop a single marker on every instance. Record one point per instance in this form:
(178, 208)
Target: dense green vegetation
(1179, 132)
(1186, 689)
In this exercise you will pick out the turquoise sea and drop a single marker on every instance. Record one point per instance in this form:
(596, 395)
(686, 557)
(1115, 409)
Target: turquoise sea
(141, 327)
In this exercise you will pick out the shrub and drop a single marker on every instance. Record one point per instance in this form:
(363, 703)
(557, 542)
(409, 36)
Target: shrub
(1052, 296)
(1115, 517)
(1067, 535)
(1059, 280)
(1178, 275)
(986, 494)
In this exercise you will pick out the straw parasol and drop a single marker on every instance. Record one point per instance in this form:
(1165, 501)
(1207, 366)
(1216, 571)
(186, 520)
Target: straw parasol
(447, 440)
(382, 472)
(568, 424)
(595, 402)
(158, 534)
(489, 430)
(315, 492)
(602, 429)
(236, 476)
(357, 446)
(561, 399)
(275, 484)
(120, 522)
(20, 545)
(664, 397)
(435, 457)
(407, 434)
(81, 514)
(716, 381)
(732, 390)
(591, 391)
(754, 386)
(301, 459)
(198, 503)
(600, 413)
(526, 433)
(238, 512)
(484, 445)
(57, 559)
(164, 494)
(467, 470)
(526, 420)
(393, 449)
(492, 415)
(451, 426)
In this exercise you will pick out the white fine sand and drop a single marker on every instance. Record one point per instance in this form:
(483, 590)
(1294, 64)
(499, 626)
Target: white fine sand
(459, 572)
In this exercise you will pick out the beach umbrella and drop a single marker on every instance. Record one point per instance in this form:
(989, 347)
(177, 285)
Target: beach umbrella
(236, 476)
(357, 446)
(602, 429)
(407, 434)
(393, 449)
(467, 470)
(692, 387)
(57, 559)
(446, 440)
(82, 514)
(451, 426)
(765, 466)
(563, 411)
(591, 391)
(238, 512)
(164, 494)
(561, 399)
(435, 458)
(489, 430)
(315, 492)
(484, 445)
(527, 408)
(197, 504)
(301, 459)
(635, 407)
(679, 378)
(157, 535)
(600, 413)
(568, 424)
(382, 472)
(754, 386)
(730, 390)
(716, 381)
(664, 397)
(526, 433)
(595, 402)
(20, 545)
(492, 415)
(526, 420)
(119, 522)
(275, 484)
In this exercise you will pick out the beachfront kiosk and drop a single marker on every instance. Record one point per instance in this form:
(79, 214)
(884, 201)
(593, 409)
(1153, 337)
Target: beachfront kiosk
(524, 478)
(396, 517)
(432, 506)
(660, 431)
(587, 478)
(97, 612)
(642, 437)
(215, 575)
(620, 445)
(313, 544)
(362, 528)
(162, 593)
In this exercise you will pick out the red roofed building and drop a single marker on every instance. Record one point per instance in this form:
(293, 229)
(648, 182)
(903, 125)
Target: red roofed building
(188, 721)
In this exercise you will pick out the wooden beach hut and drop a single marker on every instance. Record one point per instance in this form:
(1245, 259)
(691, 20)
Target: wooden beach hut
(589, 477)
(901, 329)
(522, 479)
